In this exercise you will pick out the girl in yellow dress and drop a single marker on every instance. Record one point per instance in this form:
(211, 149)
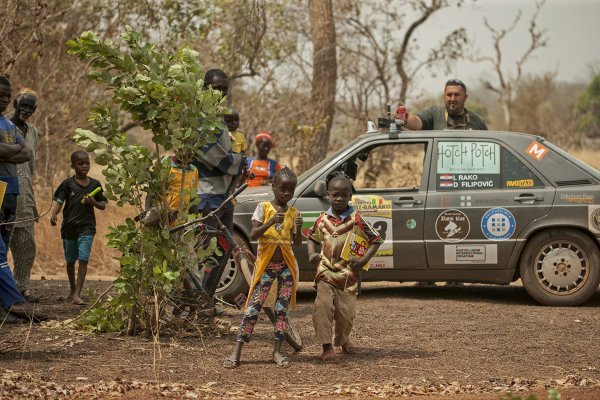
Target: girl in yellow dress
(276, 226)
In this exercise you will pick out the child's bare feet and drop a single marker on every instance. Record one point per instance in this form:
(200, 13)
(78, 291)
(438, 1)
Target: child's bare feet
(348, 348)
(328, 353)
(78, 301)
(71, 295)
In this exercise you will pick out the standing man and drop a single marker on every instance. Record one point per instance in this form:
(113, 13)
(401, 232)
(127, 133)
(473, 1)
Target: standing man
(453, 116)
(13, 150)
(22, 243)
(217, 167)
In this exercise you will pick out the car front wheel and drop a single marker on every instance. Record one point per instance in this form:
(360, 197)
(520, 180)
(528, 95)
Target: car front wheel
(232, 281)
(560, 267)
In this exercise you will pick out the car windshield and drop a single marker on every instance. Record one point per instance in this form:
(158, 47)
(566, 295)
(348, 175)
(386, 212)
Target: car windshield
(320, 164)
(587, 168)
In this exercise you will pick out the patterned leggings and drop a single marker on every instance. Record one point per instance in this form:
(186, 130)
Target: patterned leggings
(281, 272)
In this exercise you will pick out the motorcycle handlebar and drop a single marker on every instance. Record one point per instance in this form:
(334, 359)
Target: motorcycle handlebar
(213, 212)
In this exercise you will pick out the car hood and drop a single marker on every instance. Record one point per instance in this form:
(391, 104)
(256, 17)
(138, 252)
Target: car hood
(256, 191)
(247, 200)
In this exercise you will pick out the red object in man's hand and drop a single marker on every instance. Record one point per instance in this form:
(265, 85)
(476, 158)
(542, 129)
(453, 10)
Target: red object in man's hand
(401, 114)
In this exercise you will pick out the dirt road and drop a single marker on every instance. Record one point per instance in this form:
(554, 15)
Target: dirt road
(467, 342)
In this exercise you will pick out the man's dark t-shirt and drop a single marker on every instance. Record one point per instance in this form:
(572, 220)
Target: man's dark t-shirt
(436, 118)
(78, 219)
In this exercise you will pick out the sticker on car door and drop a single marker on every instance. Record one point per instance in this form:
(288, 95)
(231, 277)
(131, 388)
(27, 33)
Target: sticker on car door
(498, 224)
(452, 226)
(471, 254)
(468, 165)
(378, 212)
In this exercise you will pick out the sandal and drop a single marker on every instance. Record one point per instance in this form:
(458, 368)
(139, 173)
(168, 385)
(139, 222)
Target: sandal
(283, 363)
(231, 364)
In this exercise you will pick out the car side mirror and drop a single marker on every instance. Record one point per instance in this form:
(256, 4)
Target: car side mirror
(320, 188)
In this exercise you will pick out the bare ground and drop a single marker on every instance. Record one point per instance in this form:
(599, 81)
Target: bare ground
(470, 342)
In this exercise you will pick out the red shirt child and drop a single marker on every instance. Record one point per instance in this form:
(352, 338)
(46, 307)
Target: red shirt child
(262, 166)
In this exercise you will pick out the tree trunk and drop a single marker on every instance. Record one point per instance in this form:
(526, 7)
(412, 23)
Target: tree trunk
(322, 105)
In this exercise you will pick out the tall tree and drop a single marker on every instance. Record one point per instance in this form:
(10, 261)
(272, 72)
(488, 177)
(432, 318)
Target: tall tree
(506, 82)
(324, 77)
(379, 58)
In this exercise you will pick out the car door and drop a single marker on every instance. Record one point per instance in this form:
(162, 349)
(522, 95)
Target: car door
(391, 192)
(481, 195)
(391, 189)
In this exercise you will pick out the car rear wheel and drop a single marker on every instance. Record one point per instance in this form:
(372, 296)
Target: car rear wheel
(560, 267)
(232, 281)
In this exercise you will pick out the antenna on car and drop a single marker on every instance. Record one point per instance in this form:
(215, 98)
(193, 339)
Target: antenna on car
(389, 122)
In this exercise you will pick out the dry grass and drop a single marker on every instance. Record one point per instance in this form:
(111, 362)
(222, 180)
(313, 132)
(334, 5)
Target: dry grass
(590, 157)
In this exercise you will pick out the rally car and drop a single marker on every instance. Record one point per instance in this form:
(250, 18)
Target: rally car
(460, 206)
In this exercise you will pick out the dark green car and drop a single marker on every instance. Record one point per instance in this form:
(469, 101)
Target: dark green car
(460, 206)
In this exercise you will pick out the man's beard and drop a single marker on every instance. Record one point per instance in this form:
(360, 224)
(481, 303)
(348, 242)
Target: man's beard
(454, 110)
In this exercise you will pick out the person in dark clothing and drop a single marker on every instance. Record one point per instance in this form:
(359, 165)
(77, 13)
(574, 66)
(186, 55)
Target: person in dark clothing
(80, 195)
(13, 150)
(453, 115)
(217, 166)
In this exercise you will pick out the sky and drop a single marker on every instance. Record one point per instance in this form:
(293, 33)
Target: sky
(572, 28)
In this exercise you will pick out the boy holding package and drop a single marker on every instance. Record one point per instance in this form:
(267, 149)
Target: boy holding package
(338, 276)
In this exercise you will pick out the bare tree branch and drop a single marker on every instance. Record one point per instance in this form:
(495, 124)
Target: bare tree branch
(505, 89)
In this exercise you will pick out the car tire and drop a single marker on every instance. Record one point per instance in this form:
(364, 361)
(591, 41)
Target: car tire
(232, 282)
(560, 267)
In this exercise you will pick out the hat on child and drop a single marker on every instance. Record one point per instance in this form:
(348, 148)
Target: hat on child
(264, 136)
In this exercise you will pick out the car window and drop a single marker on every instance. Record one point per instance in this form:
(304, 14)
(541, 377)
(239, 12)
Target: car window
(566, 170)
(391, 166)
(324, 161)
(467, 165)
(515, 174)
(480, 165)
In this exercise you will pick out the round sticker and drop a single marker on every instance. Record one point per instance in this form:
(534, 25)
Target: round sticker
(411, 223)
(452, 226)
(595, 220)
(498, 224)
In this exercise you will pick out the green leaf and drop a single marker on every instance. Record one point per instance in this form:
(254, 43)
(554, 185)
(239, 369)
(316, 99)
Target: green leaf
(152, 114)
(127, 260)
(171, 275)
(164, 93)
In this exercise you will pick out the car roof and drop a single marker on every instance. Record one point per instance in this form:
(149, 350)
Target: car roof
(455, 133)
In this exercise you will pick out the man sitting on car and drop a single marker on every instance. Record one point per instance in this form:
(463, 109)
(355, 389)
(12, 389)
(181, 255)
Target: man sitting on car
(453, 116)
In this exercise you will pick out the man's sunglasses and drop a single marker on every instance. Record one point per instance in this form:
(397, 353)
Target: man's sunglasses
(454, 82)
